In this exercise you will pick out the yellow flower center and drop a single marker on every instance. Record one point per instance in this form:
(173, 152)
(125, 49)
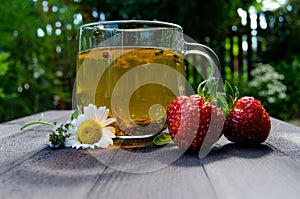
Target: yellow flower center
(89, 132)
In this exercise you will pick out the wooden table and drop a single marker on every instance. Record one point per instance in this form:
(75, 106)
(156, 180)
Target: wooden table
(30, 169)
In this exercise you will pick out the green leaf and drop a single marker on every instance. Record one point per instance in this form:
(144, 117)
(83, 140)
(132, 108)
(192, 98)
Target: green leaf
(162, 139)
(231, 91)
(236, 93)
(228, 89)
(222, 102)
(200, 89)
(232, 94)
(208, 90)
(74, 115)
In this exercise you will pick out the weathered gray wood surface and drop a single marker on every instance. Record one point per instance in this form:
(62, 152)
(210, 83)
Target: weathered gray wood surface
(29, 169)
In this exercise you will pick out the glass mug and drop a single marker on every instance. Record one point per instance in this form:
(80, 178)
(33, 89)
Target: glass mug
(135, 68)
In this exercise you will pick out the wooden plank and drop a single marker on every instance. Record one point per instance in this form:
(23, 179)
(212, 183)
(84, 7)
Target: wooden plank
(184, 178)
(54, 173)
(51, 115)
(13, 127)
(285, 137)
(63, 173)
(257, 172)
(78, 174)
(242, 168)
(29, 169)
(17, 146)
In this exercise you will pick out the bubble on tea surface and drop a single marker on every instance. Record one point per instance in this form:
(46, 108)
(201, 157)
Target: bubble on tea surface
(157, 112)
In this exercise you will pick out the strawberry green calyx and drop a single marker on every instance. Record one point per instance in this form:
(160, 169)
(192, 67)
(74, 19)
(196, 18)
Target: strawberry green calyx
(231, 96)
(208, 90)
(225, 99)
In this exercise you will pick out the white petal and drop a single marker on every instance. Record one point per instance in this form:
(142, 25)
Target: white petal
(81, 118)
(108, 121)
(109, 140)
(85, 146)
(101, 113)
(90, 111)
(73, 132)
(88, 108)
(109, 128)
(107, 132)
(73, 122)
(103, 143)
(70, 142)
(72, 137)
(75, 145)
(97, 144)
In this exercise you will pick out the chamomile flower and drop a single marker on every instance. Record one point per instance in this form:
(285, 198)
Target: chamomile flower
(91, 129)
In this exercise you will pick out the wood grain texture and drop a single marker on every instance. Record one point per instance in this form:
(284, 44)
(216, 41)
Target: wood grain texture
(30, 169)
(253, 172)
(16, 146)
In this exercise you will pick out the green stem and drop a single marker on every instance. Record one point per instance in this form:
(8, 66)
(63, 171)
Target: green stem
(36, 122)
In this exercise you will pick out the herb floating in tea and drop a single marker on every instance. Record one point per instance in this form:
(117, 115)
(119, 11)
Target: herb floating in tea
(159, 52)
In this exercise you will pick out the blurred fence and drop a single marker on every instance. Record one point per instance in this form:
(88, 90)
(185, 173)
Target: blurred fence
(240, 50)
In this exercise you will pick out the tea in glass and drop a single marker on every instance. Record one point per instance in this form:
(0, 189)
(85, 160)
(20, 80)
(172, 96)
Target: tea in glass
(123, 69)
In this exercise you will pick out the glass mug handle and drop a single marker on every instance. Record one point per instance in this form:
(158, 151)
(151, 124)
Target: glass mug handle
(209, 54)
(213, 61)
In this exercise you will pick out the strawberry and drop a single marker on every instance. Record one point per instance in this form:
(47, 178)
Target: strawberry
(248, 123)
(192, 120)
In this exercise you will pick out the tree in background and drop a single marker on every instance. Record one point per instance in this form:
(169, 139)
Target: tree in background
(39, 37)
(201, 20)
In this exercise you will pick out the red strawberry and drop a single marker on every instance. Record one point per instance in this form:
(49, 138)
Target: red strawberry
(248, 122)
(191, 120)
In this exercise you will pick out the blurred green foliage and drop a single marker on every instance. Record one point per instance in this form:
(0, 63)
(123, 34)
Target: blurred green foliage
(38, 43)
(38, 53)
(290, 109)
(280, 49)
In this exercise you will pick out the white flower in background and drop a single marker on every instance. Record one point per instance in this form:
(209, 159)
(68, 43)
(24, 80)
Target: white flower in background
(269, 83)
(91, 129)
